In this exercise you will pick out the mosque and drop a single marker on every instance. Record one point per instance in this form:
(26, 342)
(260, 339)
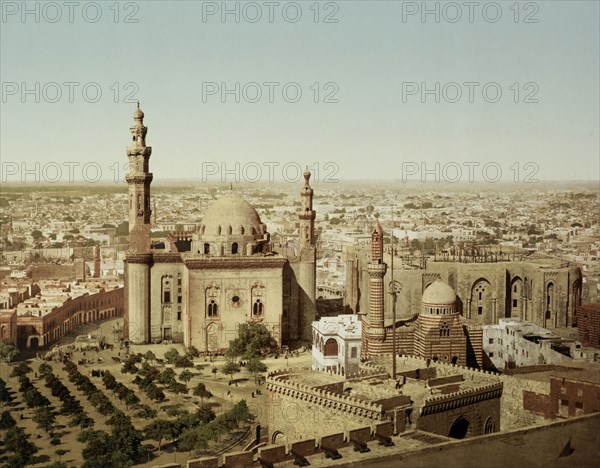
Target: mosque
(204, 284)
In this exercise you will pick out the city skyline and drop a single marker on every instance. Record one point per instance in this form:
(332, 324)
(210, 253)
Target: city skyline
(379, 61)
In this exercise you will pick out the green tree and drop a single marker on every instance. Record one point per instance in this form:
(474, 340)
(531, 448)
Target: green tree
(230, 368)
(20, 369)
(171, 355)
(205, 413)
(201, 391)
(178, 388)
(160, 430)
(167, 377)
(37, 235)
(6, 420)
(254, 339)
(255, 366)
(185, 376)
(150, 356)
(8, 351)
(45, 418)
(17, 443)
(60, 453)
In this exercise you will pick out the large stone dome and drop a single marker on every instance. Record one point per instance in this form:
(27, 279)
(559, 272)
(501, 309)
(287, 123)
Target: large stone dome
(439, 293)
(232, 226)
(231, 215)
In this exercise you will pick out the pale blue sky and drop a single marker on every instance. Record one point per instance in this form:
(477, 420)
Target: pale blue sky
(369, 53)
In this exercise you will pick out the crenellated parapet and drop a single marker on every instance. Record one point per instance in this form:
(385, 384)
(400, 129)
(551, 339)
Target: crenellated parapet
(450, 401)
(279, 382)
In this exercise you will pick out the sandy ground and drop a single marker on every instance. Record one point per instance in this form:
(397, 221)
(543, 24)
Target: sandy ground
(218, 384)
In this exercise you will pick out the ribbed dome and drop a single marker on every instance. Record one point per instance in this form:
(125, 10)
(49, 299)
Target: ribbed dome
(439, 293)
(231, 215)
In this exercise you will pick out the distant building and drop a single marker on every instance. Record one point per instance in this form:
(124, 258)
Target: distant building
(42, 321)
(588, 324)
(489, 284)
(438, 332)
(515, 343)
(336, 344)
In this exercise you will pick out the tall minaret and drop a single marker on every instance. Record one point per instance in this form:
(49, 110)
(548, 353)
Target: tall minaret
(307, 214)
(307, 278)
(375, 332)
(139, 178)
(139, 258)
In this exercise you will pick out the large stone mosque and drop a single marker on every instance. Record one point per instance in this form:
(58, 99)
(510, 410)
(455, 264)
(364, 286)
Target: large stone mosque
(202, 285)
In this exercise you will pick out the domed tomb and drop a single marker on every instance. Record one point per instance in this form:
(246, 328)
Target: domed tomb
(231, 226)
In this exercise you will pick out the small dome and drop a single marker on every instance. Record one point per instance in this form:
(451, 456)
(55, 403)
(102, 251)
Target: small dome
(439, 293)
(231, 214)
(138, 114)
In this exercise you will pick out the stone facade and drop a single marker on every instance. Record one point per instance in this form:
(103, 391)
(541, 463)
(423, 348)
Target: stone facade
(228, 272)
(8, 326)
(588, 325)
(437, 332)
(304, 405)
(540, 290)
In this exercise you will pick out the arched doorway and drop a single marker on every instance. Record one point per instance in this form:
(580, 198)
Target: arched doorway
(212, 337)
(34, 342)
(460, 428)
(489, 426)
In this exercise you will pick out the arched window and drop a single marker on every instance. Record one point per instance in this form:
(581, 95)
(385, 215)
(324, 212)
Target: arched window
(331, 347)
(212, 309)
(234, 248)
(257, 308)
(206, 249)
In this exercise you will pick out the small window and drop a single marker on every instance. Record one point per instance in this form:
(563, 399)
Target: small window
(213, 309)
(515, 302)
(479, 310)
(491, 354)
(167, 296)
(178, 299)
(179, 315)
(579, 392)
(491, 341)
(578, 405)
(206, 249)
(564, 402)
(234, 248)
(257, 308)
(353, 352)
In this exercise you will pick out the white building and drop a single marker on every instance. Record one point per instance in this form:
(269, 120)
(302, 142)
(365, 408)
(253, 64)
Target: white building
(336, 344)
(516, 343)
